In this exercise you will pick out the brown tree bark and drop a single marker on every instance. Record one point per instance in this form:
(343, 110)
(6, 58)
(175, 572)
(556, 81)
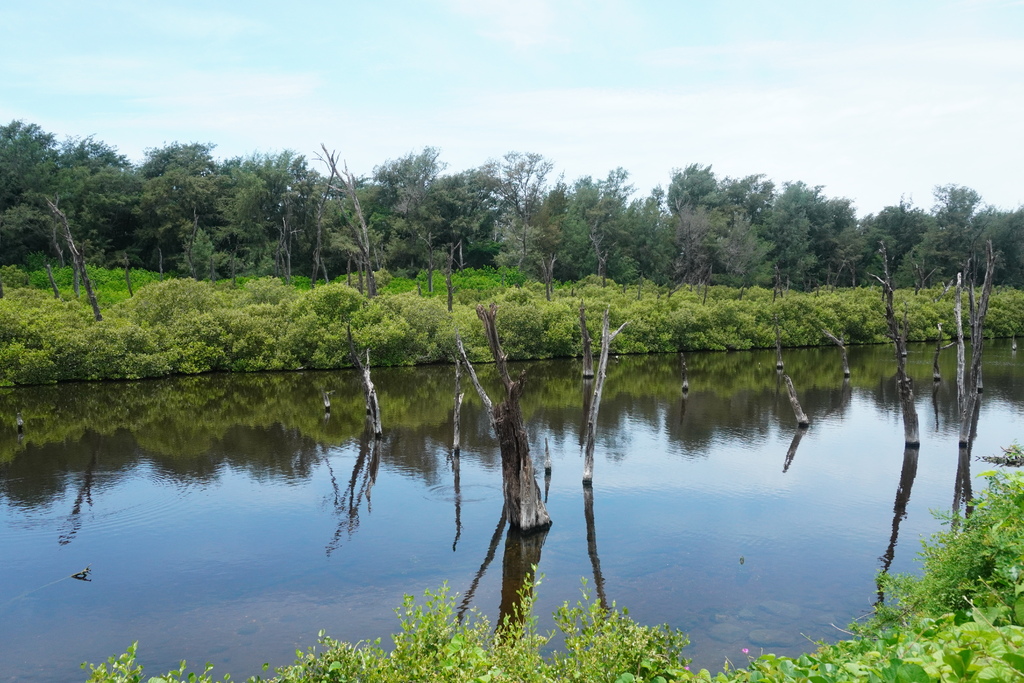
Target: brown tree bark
(523, 504)
(898, 334)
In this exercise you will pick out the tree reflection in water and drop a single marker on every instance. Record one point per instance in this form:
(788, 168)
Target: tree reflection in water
(360, 485)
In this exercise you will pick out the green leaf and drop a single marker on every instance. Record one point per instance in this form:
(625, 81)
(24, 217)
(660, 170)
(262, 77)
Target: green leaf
(1015, 660)
(912, 673)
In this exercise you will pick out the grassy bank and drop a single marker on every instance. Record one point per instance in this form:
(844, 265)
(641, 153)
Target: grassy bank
(180, 326)
(961, 621)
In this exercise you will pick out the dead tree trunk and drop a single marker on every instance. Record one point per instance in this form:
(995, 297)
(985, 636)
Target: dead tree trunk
(595, 406)
(801, 417)
(360, 229)
(78, 258)
(317, 249)
(526, 511)
(958, 314)
(588, 356)
(128, 276)
(778, 346)
(457, 417)
(898, 334)
(369, 391)
(936, 372)
(53, 283)
(978, 315)
(838, 341)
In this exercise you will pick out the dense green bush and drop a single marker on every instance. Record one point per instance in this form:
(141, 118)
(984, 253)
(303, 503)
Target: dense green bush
(187, 326)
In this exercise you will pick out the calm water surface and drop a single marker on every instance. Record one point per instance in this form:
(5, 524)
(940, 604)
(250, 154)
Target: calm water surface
(224, 519)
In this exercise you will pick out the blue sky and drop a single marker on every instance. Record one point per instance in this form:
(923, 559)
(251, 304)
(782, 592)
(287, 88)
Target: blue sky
(872, 100)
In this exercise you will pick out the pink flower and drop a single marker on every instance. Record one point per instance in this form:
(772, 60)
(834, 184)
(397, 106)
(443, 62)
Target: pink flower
(745, 650)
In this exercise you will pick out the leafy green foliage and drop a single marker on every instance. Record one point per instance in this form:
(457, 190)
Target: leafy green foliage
(976, 563)
(184, 326)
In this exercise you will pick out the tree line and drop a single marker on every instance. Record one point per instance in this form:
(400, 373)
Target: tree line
(285, 214)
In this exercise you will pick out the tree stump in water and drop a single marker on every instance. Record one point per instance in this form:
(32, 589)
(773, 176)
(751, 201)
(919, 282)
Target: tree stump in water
(898, 334)
(523, 504)
(369, 391)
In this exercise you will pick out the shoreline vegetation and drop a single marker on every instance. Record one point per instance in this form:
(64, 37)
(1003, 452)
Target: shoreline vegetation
(960, 621)
(178, 326)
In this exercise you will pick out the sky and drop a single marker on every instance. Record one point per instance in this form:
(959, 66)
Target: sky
(873, 100)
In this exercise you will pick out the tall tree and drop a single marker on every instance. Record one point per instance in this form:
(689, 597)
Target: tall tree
(405, 185)
(519, 180)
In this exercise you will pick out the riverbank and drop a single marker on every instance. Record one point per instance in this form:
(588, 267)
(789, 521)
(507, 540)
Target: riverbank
(960, 621)
(184, 327)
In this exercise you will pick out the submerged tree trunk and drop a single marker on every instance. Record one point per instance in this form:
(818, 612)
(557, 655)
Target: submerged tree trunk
(595, 407)
(838, 341)
(798, 412)
(369, 391)
(939, 348)
(526, 511)
(958, 315)
(588, 356)
(978, 314)
(79, 259)
(457, 417)
(898, 334)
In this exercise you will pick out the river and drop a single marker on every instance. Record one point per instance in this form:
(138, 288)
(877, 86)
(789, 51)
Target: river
(226, 518)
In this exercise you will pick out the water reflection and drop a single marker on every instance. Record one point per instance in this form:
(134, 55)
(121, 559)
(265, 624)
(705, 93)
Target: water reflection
(360, 485)
(798, 435)
(595, 561)
(518, 566)
(189, 482)
(899, 508)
